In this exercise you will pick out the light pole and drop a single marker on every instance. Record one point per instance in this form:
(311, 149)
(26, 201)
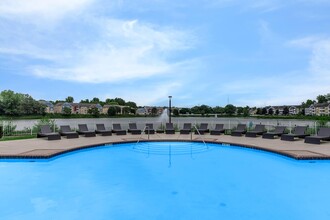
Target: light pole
(169, 109)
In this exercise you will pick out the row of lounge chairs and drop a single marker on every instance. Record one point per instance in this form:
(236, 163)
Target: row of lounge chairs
(241, 129)
(280, 131)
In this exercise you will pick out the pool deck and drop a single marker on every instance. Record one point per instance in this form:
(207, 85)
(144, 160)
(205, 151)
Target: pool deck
(41, 148)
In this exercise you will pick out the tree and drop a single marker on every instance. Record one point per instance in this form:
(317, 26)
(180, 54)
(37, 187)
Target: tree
(175, 112)
(195, 110)
(259, 111)
(107, 101)
(321, 99)
(239, 110)
(84, 101)
(230, 109)
(95, 100)
(218, 110)
(263, 111)
(131, 104)
(307, 103)
(120, 101)
(277, 112)
(112, 111)
(67, 111)
(69, 99)
(246, 111)
(94, 111)
(270, 111)
(184, 111)
(154, 111)
(29, 106)
(10, 102)
(285, 110)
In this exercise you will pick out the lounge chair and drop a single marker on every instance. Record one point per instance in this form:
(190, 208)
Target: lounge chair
(299, 132)
(169, 129)
(83, 130)
(279, 130)
(322, 135)
(100, 129)
(132, 128)
(239, 131)
(202, 129)
(186, 128)
(45, 131)
(149, 129)
(217, 130)
(258, 130)
(66, 131)
(116, 128)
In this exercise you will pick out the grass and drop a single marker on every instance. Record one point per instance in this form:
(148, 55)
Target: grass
(11, 138)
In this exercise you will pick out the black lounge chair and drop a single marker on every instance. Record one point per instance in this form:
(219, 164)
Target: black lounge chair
(45, 131)
(100, 129)
(258, 130)
(322, 135)
(132, 128)
(116, 128)
(149, 129)
(239, 131)
(83, 130)
(65, 130)
(186, 128)
(299, 132)
(217, 130)
(202, 129)
(169, 129)
(279, 130)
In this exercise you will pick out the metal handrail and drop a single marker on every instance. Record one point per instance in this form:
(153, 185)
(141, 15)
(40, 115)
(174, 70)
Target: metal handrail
(200, 135)
(143, 131)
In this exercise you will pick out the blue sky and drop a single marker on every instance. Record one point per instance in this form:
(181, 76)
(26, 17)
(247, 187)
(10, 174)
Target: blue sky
(251, 52)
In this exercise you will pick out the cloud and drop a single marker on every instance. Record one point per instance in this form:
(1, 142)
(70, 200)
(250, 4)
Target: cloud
(40, 9)
(124, 50)
(89, 48)
(319, 61)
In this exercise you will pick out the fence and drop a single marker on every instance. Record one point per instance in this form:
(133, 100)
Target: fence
(16, 128)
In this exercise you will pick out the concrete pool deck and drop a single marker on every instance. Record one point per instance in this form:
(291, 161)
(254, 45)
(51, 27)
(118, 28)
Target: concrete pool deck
(41, 148)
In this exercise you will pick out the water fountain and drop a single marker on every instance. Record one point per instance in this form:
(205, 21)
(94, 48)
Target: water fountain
(163, 118)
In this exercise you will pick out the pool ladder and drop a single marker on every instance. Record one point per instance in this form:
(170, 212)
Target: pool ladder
(199, 136)
(143, 131)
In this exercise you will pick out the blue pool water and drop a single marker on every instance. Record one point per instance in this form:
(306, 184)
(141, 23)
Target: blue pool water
(167, 180)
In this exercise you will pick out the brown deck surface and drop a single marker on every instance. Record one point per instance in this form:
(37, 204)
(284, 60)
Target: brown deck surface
(41, 148)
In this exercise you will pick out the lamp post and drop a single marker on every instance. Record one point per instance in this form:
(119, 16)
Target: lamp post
(169, 109)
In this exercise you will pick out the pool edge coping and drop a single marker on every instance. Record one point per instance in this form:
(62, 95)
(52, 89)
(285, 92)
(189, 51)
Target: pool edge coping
(232, 144)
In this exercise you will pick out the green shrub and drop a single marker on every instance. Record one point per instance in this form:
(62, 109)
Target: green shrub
(44, 121)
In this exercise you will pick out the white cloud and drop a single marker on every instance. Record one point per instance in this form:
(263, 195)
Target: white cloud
(319, 62)
(125, 50)
(40, 9)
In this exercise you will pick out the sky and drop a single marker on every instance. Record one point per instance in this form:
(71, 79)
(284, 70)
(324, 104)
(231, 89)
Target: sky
(213, 52)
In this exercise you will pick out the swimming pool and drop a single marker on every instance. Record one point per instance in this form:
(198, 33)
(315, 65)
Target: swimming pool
(165, 180)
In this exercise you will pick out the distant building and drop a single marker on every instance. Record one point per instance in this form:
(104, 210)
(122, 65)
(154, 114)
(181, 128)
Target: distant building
(49, 106)
(318, 109)
(293, 109)
(76, 108)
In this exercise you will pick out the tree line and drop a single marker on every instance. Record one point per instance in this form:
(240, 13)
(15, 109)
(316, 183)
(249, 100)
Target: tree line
(18, 104)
